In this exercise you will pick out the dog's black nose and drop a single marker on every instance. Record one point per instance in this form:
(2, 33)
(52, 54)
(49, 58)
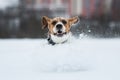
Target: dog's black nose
(59, 26)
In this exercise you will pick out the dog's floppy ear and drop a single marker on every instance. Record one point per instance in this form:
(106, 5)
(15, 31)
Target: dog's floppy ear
(45, 21)
(73, 20)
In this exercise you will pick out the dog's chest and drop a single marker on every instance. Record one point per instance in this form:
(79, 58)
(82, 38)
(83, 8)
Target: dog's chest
(62, 39)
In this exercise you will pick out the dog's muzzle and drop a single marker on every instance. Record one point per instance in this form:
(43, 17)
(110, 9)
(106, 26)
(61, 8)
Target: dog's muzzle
(59, 26)
(60, 32)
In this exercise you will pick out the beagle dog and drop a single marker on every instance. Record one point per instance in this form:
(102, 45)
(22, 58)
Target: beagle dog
(59, 28)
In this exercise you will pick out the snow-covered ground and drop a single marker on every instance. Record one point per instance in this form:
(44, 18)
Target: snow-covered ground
(82, 59)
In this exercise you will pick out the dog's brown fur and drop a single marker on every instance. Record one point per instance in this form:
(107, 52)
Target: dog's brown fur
(56, 35)
(48, 23)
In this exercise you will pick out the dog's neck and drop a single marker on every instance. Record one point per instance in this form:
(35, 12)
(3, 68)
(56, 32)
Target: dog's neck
(50, 41)
(53, 39)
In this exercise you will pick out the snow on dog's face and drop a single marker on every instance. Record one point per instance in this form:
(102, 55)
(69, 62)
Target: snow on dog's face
(58, 26)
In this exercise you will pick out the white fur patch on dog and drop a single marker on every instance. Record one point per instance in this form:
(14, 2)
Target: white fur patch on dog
(62, 39)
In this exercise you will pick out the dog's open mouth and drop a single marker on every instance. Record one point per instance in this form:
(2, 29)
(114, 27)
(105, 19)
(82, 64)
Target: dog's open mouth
(60, 33)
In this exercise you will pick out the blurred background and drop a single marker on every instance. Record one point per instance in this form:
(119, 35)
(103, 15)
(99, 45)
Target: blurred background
(22, 18)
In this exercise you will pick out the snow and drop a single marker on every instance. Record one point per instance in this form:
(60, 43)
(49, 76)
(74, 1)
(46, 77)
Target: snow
(81, 59)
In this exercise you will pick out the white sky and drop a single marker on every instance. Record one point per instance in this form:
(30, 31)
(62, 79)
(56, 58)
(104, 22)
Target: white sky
(5, 3)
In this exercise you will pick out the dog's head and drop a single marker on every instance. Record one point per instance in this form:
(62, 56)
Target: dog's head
(58, 26)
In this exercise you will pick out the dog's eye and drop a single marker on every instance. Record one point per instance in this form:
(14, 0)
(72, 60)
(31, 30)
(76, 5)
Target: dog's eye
(54, 22)
(64, 22)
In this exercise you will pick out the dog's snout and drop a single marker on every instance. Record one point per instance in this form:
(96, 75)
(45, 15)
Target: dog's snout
(59, 26)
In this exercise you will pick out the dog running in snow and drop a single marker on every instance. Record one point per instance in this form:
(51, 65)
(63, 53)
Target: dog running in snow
(58, 28)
